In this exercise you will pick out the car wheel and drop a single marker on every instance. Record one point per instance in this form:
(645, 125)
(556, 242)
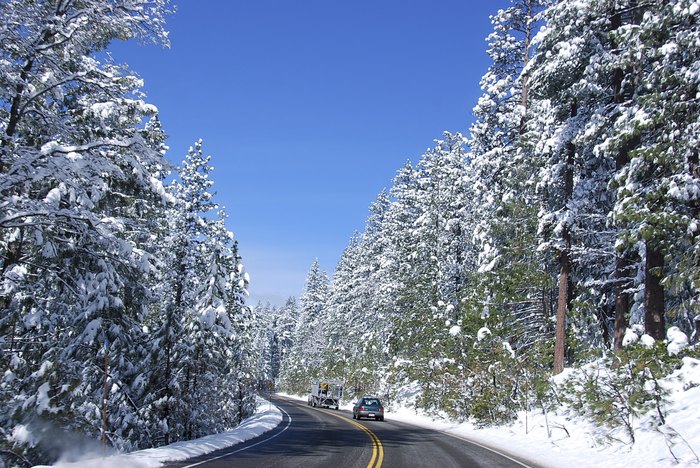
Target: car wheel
(353, 415)
(381, 418)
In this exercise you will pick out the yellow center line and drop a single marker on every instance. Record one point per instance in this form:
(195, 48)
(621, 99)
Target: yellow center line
(377, 447)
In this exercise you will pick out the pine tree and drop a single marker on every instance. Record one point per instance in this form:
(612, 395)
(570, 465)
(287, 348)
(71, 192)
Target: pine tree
(288, 318)
(305, 358)
(511, 292)
(569, 74)
(345, 311)
(79, 175)
(657, 188)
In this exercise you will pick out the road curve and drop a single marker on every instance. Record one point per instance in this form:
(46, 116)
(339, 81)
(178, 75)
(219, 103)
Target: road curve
(314, 437)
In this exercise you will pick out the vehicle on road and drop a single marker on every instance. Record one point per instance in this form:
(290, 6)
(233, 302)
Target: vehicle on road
(368, 407)
(326, 393)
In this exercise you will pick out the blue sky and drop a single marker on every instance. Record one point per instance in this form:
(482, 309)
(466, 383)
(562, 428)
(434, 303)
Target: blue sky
(308, 109)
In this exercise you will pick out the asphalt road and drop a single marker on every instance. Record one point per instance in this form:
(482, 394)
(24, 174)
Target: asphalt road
(316, 437)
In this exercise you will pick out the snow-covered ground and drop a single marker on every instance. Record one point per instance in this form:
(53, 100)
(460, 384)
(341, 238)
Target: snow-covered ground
(554, 441)
(267, 417)
(576, 443)
(558, 440)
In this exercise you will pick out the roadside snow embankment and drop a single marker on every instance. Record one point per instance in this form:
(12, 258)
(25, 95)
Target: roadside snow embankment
(559, 439)
(266, 418)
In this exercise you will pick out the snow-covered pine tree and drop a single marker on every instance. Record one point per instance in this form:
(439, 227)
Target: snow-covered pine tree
(360, 306)
(397, 265)
(622, 69)
(201, 353)
(657, 205)
(225, 374)
(181, 269)
(373, 301)
(78, 176)
(438, 252)
(344, 306)
(511, 293)
(569, 75)
(267, 345)
(304, 359)
(286, 324)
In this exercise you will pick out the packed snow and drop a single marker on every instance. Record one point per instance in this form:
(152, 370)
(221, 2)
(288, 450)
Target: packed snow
(266, 418)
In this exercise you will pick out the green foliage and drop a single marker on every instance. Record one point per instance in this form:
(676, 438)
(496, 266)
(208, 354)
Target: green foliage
(471, 238)
(613, 391)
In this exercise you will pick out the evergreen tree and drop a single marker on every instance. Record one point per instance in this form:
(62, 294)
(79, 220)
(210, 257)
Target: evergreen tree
(305, 358)
(657, 188)
(502, 169)
(286, 324)
(203, 349)
(79, 177)
(345, 313)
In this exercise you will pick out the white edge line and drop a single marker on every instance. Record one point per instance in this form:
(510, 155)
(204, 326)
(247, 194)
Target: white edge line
(464, 439)
(245, 448)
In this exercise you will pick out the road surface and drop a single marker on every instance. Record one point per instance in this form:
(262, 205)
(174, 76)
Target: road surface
(317, 437)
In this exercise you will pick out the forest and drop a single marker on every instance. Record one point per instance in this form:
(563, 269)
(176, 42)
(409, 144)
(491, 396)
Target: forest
(559, 230)
(122, 292)
(562, 231)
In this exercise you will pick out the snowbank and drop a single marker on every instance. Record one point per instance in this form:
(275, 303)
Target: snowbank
(556, 440)
(551, 440)
(266, 418)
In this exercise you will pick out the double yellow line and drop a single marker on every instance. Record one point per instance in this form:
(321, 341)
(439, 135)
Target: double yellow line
(377, 447)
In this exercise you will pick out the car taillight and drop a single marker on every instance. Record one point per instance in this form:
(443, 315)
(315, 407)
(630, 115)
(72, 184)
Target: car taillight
(362, 408)
(381, 409)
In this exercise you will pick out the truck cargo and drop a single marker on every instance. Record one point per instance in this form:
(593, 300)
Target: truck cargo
(325, 393)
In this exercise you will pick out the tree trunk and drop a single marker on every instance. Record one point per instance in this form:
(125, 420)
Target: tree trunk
(562, 309)
(654, 314)
(565, 292)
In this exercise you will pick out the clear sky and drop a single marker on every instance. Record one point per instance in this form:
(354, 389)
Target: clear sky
(308, 109)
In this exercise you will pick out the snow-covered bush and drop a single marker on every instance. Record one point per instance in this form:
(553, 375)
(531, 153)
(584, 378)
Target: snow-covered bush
(614, 391)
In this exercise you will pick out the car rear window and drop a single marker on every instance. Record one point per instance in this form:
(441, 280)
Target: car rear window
(372, 402)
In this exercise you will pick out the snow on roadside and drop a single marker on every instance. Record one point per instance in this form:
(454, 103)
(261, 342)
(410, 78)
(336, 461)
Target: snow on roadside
(266, 418)
(558, 439)
(552, 440)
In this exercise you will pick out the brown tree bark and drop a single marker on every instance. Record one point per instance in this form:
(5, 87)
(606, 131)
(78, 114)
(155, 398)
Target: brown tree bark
(654, 313)
(565, 292)
(562, 311)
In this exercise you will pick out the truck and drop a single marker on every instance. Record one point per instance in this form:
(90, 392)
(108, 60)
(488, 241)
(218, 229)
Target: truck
(325, 393)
